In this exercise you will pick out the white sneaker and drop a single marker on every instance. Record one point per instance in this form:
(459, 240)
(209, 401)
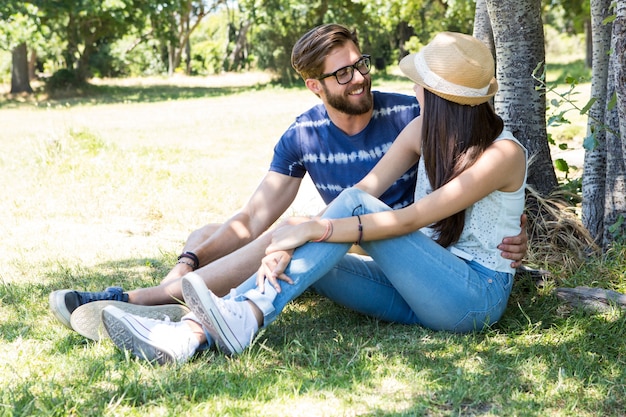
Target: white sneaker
(87, 319)
(152, 340)
(230, 323)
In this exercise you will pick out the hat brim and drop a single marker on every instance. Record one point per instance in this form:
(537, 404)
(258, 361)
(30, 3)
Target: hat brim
(407, 66)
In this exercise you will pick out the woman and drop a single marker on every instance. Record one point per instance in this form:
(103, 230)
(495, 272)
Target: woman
(434, 263)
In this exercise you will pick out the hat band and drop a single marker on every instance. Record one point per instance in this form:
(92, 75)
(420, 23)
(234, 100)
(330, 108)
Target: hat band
(435, 82)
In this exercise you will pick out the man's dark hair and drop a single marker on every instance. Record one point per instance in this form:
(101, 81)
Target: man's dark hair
(309, 52)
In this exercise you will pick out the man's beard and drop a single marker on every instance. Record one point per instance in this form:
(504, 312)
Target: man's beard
(342, 103)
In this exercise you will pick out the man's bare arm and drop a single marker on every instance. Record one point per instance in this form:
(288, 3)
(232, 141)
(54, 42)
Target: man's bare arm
(269, 201)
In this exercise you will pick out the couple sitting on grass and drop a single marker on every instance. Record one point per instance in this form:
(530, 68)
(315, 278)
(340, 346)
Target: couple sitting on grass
(440, 260)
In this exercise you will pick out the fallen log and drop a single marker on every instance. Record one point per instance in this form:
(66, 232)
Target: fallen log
(594, 299)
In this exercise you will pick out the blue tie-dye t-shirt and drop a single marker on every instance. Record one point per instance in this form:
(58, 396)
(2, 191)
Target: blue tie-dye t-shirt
(336, 161)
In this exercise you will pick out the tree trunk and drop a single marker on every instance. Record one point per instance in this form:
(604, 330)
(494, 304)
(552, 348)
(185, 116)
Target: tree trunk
(619, 47)
(482, 26)
(588, 43)
(237, 57)
(170, 59)
(187, 53)
(519, 101)
(593, 182)
(615, 118)
(20, 82)
(32, 65)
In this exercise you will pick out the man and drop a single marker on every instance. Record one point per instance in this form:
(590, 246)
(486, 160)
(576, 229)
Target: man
(337, 143)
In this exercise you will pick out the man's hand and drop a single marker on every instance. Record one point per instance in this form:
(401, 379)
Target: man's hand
(515, 248)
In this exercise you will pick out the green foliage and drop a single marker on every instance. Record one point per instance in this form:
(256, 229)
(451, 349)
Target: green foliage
(615, 230)
(91, 25)
(135, 59)
(209, 44)
(5, 67)
(383, 27)
(558, 107)
(279, 23)
(131, 37)
(91, 32)
(568, 16)
(18, 25)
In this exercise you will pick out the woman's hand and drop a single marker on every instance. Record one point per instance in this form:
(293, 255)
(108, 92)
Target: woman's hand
(289, 237)
(273, 268)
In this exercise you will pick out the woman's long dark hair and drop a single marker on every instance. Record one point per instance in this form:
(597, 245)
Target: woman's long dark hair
(453, 138)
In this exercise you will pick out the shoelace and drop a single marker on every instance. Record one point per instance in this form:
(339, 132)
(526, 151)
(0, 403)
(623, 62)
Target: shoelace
(230, 306)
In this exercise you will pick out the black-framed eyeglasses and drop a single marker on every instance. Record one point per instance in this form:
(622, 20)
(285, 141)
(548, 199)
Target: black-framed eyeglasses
(345, 74)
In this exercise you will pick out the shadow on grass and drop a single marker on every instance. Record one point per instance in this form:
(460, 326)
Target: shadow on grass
(111, 94)
(533, 361)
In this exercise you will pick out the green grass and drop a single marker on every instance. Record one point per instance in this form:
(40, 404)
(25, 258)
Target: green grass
(103, 190)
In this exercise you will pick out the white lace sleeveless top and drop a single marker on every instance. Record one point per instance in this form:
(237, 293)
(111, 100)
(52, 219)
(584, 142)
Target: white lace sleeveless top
(487, 221)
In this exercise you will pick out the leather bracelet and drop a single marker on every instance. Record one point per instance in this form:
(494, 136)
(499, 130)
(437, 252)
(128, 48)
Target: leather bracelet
(358, 241)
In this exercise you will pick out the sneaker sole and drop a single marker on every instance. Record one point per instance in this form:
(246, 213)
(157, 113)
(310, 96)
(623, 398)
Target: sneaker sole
(86, 320)
(127, 338)
(197, 297)
(56, 301)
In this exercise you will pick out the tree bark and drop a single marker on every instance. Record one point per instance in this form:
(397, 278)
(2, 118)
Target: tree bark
(588, 43)
(20, 82)
(615, 118)
(593, 181)
(482, 26)
(594, 299)
(32, 65)
(519, 41)
(619, 37)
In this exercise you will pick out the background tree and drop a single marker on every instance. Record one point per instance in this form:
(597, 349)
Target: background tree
(90, 26)
(20, 76)
(278, 23)
(593, 181)
(571, 17)
(173, 22)
(614, 218)
(521, 100)
(482, 25)
(17, 30)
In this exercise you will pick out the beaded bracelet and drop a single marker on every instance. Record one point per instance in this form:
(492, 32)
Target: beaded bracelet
(193, 257)
(358, 241)
(183, 261)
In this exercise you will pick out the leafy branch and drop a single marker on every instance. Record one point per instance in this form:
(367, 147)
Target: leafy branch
(565, 98)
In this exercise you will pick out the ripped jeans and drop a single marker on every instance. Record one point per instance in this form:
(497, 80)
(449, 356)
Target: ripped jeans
(408, 279)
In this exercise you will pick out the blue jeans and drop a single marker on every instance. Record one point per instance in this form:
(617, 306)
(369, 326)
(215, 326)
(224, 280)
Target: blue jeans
(408, 279)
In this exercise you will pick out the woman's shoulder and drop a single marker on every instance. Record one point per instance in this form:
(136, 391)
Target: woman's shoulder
(507, 135)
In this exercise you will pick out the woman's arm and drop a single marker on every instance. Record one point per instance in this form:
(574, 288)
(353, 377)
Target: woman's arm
(402, 155)
(501, 167)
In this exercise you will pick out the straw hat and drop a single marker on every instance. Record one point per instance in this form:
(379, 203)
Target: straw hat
(454, 66)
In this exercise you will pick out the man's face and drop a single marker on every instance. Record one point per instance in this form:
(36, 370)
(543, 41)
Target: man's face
(353, 98)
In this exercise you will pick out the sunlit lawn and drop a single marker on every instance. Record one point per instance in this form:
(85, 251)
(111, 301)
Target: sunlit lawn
(104, 191)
